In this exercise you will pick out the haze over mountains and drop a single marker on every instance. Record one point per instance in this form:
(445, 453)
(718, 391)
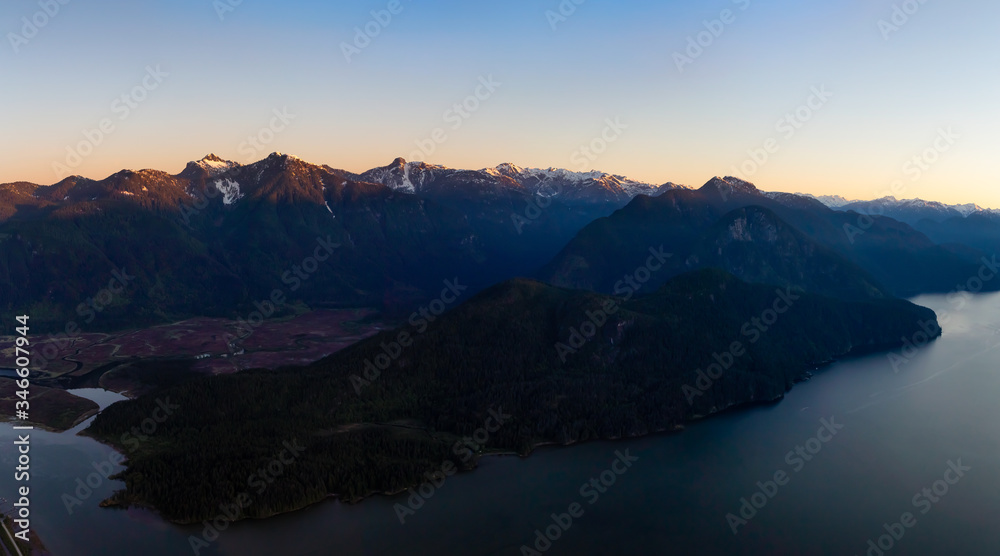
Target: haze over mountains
(910, 211)
(967, 224)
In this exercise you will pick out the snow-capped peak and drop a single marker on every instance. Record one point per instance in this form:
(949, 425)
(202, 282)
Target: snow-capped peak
(282, 158)
(741, 184)
(831, 201)
(416, 177)
(914, 209)
(505, 169)
(969, 208)
(215, 165)
(730, 184)
(404, 176)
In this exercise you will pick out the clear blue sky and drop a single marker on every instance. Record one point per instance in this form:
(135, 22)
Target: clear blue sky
(557, 87)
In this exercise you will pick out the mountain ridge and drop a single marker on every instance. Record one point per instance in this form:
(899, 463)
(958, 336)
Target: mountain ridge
(400, 175)
(411, 176)
(904, 260)
(227, 233)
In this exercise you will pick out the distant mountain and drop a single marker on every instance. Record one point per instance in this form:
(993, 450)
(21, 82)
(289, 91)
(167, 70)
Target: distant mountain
(750, 242)
(522, 216)
(980, 230)
(910, 211)
(883, 253)
(226, 235)
(534, 363)
(832, 201)
(966, 224)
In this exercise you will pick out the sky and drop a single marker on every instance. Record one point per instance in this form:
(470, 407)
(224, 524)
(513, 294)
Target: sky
(855, 98)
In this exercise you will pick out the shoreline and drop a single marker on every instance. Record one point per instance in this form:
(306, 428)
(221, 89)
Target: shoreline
(805, 375)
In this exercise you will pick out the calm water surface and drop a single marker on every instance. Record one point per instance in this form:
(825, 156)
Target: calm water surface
(900, 430)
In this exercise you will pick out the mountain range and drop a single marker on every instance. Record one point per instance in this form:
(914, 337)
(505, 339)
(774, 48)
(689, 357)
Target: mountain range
(762, 237)
(229, 235)
(966, 224)
(911, 211)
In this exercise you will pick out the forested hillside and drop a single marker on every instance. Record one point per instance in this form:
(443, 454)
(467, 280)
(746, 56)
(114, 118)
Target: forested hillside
(565, 365)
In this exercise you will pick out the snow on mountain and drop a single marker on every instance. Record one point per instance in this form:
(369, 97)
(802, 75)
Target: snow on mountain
(404, 176)
(905, 210)
(537, 179)
(910, 211)
(890, 204)
(230, 191)
(215, 166)
(970, 208)
(594, 186)
(435, 180)
(832, 201)
(740, 185)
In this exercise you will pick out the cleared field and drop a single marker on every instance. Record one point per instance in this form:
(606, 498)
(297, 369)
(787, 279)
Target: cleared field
(134, 361)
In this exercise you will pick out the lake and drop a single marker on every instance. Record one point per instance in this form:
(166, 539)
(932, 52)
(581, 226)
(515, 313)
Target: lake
(853, 450)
